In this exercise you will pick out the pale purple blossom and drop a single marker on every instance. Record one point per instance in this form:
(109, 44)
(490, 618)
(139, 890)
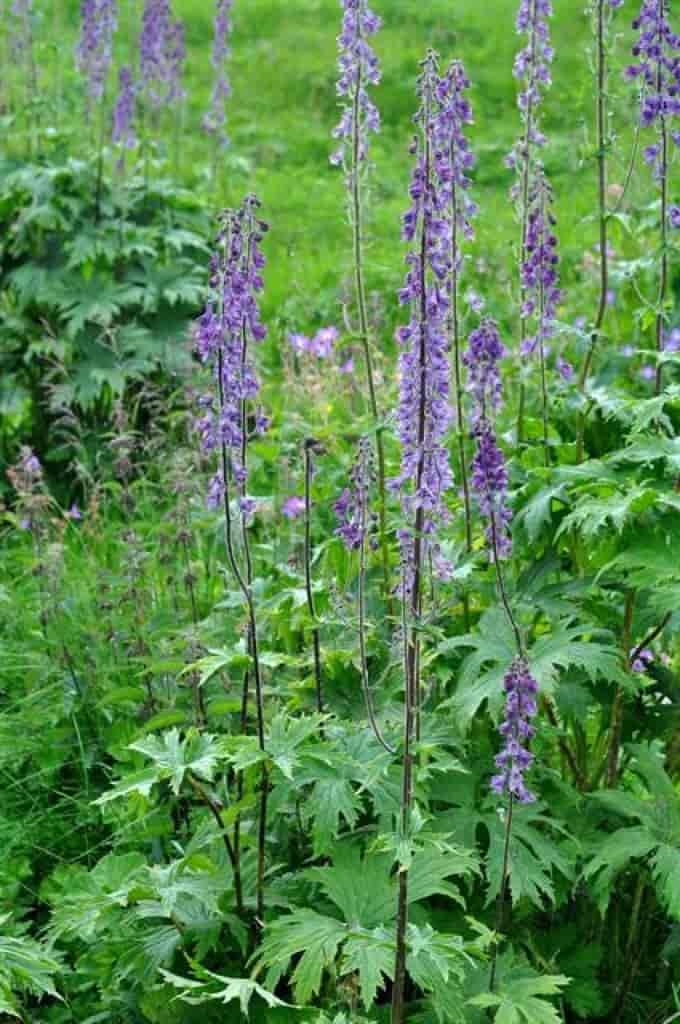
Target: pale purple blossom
(532, 69)
(642, 660)
(540, 285)
(99, 20)
(215, 118)
(515, 758)
(359, 68)
(123, 132)
(162, 52)
(657, 68)
(352, 507)
(293, 507)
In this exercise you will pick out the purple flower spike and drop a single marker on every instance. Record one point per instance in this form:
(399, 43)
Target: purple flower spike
(99, 20)
(123, 133)
(425, 414)
(520, 708)
(352, 507)
(532, 69)
(162, 52)
(540, 283)
(489, 472)
(230, 321)
(658, 69)
(453, 157)
(358, 67)
(215, 118)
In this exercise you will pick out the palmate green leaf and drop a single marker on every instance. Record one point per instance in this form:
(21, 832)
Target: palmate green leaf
(8, 1002)
(612, 511)
(613, 854)
(371, 955)
(437, 964)
(562, 648)
(173, 756)
(216, 987)
(521, 1000)
(140, 782)
(534, 855)
(305, 932)
(360, 885)
(25, 966)
(536, 514)
(666, 875)
(97, 300)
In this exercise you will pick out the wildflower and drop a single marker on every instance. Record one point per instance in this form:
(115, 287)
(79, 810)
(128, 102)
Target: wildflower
(424, 413)
(539, 267)
(358, 67)
(161, 52)
(489, 472)
(659, 70)
(352, 507)
(323, 341)
(647, 372)
(123, 132)
(674, 217)
(215, 119)
(672, 340)
(74, 513)
(99, 20)
(230, 321)
(453, 157)
(565, 369)
(642, 660)
(293, 507)
(532, 69)
(520, 707)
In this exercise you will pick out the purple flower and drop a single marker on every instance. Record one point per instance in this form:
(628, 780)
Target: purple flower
(299, 342)
(453, 157)
(565, 369)
(672, 341)
(215, 119)
(162, 52)
(424, 413)
(540, 285)
(323, 341)
(99, 20)
(674, 217)
(293, 507)
(532, 69)
(123, 133)
(647, 372)
(658, 70)
(628, 351)
(489, 472)
(74, 513)
(230, 321)
(515, 757)
(352, 507)
(358, 67)
(642, 660)
(347, 366)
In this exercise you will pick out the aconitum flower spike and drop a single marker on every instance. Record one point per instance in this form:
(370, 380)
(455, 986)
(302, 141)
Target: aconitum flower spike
(215, 119)
(359, 68)
(424, 413)
(123, 132)
(352, 507)
(657, 66)
(453, 156)
(532, 69)
(489, 471)
(540, 284)
(161, 53)
(229, 323)
(515, 757)
(99, 20)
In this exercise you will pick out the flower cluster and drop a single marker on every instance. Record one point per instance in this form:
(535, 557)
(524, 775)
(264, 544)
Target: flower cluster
(539, 267)
(424, 413)
(358, 67)
(453, 157)
(215, 118)
(99, 20)
(659, 70)
(532, 69)
(352, 507)
(320, 345)
(489, 472)
(642, 659)
(123, 132)
(26, 477)
(162, 52)
(22, 33)
(516, 729)
(231, 320)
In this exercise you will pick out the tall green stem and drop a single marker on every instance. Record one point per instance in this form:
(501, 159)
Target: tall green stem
(316, 639)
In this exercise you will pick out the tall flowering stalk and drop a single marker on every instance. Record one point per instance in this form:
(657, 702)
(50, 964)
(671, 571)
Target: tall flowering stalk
(310, 447)
(490, 486)
(540, 283)
(532, 69)
(599, 9)
(215, 118)
(454, 160)
(99, 20)
(224, 335)
(657, 67)
(23, 49)
(359, 68)
(123, 132)
(353, 509)
(162, 52)
(424, 416)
